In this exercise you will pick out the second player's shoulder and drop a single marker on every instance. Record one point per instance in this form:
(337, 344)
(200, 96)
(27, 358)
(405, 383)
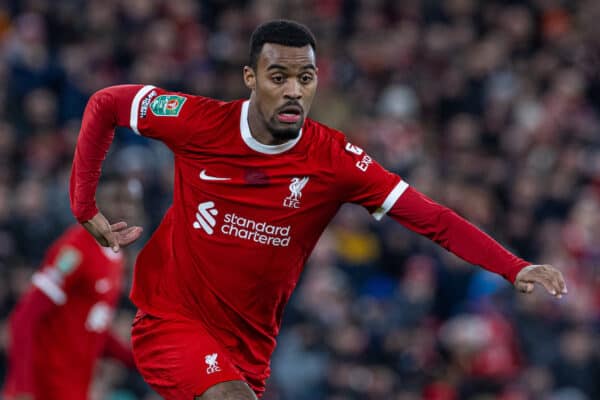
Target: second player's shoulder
(89, 252)
(78, 241)
(68, 252)
(75, 236)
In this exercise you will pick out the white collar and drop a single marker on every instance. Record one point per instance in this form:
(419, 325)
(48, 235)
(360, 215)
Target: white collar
(255, 144)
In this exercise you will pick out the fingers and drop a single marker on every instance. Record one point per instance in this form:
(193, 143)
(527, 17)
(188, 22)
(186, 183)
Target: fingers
(546, 275)
(525, 287)
(558, 283)
(129, 235)
(113, 236)
(95, 227)
(118, 226)
(112, 242)
(106, 230)
(561, 283)
(548, 284)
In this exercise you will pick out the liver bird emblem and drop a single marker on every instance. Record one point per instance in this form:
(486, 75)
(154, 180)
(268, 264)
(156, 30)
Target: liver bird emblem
(296, 187)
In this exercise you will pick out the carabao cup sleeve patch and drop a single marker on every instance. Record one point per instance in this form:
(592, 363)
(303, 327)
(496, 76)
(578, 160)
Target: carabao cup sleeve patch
(167, 105)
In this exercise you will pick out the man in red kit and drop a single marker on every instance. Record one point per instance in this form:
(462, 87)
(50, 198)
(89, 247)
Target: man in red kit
(61, 325)
(256, 183)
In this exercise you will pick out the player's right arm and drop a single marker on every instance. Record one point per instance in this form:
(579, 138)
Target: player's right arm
(148, 111)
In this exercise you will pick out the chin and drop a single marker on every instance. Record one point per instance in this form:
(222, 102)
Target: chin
(286, 132)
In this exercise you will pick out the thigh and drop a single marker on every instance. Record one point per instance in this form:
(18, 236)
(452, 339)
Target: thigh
(233, 390)
(178, 358)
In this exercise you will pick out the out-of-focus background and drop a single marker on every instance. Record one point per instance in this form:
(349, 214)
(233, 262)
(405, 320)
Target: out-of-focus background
(489, 107)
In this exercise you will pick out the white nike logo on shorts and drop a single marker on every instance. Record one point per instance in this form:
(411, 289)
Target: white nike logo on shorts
(206, 177)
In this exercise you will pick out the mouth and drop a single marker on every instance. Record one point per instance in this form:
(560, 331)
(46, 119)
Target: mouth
(290, 114)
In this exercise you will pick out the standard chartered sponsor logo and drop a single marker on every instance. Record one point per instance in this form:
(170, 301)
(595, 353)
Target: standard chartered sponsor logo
(241, 227)
(205, 217)
(260, 232)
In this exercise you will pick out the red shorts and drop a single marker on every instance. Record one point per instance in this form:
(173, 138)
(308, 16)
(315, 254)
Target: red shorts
(178, 358)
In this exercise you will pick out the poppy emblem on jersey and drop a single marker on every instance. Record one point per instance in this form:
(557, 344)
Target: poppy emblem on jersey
(213, 364)
(167, 105)
(296, 186)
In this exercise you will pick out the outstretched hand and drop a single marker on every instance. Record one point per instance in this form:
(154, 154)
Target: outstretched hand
(114, 236)
(546, 275)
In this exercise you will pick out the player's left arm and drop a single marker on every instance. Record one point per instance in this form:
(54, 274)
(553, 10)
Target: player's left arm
(116, 349)
(363, 181)
(444, 226)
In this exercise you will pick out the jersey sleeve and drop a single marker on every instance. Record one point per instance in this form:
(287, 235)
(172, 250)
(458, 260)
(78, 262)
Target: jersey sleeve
(364, 181)
(424, 216)
(149, 111)
(170, 117)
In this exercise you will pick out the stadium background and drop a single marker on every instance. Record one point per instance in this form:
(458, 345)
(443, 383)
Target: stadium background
(488, 107)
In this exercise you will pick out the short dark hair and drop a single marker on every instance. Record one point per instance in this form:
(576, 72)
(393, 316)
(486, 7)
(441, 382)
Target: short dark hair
(280, 31)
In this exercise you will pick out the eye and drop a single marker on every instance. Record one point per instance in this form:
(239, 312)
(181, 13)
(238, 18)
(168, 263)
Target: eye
(306, 78)
(277, 79)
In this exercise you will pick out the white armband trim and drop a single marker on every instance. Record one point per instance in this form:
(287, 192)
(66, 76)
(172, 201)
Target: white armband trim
(390, 200)
(49, 288)
(135, 107)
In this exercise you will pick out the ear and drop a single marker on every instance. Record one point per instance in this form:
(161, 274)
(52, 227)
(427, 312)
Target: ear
(249, 78)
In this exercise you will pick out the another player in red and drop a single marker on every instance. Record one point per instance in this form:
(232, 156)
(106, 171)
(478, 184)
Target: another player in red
(256, 183)
(61, 325)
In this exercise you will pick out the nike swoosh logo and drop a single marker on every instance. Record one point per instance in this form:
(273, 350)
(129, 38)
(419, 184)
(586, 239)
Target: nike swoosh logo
(205, 177)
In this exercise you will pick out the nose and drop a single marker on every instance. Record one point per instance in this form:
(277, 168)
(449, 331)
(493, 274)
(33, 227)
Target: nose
(293, 90)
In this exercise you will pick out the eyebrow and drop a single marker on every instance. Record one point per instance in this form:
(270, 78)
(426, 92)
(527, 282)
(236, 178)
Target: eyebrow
(279, 66)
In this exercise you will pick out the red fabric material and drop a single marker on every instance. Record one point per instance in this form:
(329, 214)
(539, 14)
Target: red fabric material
(229, 253)
(106, 109)
(68, 338)
(424, 216)
(180, 360)
(23, 323)
(116, 349)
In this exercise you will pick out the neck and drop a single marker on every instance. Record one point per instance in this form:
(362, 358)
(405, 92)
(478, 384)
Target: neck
(258, 126)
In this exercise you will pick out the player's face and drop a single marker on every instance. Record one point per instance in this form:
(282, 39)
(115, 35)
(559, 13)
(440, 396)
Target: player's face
(283, 87)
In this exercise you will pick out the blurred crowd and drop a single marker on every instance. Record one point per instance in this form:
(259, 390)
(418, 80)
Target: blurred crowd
(489, 107)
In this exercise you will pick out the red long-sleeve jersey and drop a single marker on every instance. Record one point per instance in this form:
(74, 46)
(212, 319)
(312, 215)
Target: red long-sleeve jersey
(61, 325)
(245, 215)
